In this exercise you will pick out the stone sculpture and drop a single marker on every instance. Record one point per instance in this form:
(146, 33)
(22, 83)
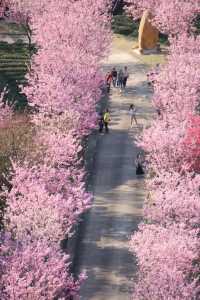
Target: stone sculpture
(148, 35)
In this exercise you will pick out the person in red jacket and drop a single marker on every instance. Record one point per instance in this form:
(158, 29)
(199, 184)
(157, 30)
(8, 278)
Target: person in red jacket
(108, 81)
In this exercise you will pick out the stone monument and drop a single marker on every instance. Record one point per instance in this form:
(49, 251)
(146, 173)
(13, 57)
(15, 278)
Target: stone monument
(148, 35)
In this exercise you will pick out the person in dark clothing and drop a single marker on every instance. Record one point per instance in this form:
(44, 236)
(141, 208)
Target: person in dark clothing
(139, 164)
(126, 76)
(101, 122)
(120, 78)
(114, 77)
(158, 111)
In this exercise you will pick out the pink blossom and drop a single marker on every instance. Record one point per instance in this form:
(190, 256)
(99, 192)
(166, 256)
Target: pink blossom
(174, 199)
(167, 246)
(37, 271)
(166, 260)
(48, 191)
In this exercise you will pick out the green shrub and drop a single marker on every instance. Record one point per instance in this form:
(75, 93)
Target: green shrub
(197, 24)
(122, 24)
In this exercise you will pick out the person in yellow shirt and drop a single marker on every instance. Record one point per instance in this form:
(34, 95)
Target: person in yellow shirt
(106, 119)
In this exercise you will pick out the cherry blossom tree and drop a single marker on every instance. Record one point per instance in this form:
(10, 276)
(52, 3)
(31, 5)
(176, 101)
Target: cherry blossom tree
(191, 143)
(48, 191)
(75, 84)
(36, 271)
(176, 96)
(174, 199)
(50, 201)
(166, 259)
(167, 246)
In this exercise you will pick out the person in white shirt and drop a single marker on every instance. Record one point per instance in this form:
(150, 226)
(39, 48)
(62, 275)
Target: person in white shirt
(132, 113)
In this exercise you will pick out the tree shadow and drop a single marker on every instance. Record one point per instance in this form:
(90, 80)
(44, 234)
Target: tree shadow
(113, 182)
(102, 260)
(101, 243)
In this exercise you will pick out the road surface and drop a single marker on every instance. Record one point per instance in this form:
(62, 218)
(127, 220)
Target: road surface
(118, 194)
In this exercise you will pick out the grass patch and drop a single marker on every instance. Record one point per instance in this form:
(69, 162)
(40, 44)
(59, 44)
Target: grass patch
(128, 44)
(152, 59)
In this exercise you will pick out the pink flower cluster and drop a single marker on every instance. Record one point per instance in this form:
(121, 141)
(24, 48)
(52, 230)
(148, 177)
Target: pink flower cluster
(48, 192)
(167, 243)
(168, 260)
(176, 96)
(36, 271)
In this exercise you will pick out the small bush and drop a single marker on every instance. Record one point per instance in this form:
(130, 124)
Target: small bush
(122, 24)
(197, 24)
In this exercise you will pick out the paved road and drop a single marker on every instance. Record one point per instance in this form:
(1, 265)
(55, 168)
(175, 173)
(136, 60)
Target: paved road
(118, 194)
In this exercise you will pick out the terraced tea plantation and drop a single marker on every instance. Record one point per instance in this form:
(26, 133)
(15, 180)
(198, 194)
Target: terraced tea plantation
(14, 60)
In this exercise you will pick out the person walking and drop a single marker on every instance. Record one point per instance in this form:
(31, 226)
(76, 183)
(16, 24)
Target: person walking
(120, 79)
(132, 113)
(114, 76)
(157, 69)
(108, 81)
(139, 164)
(107, 120)
(101, 122)
(125, 77)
